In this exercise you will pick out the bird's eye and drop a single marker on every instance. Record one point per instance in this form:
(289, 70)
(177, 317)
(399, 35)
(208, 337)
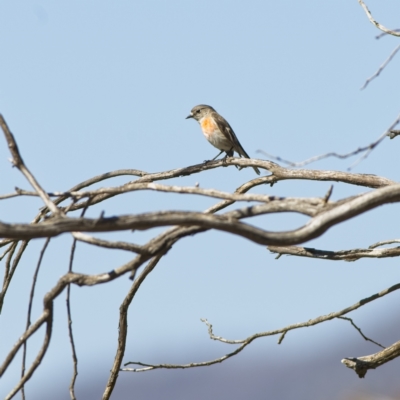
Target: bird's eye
(198, 111)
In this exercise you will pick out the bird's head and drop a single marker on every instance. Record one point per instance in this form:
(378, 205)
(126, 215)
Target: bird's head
(200, 111)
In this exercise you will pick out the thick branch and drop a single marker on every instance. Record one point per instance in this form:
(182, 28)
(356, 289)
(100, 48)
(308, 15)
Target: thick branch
(361, 365)
(227, 222)
(278, 173)
(123, 326)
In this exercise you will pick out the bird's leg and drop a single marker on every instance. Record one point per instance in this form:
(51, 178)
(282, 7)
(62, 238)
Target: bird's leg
(217, 155)
(207, 161)
(229, 153)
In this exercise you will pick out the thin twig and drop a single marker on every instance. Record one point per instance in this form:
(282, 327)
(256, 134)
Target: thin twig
(328, 194)
(360, 331)
(7, 274)
(218, 338)
(10, 270)
(382, 34)
(108, 244)
(247, 341)
(29, 314)
(69, 316)
(38, 359)
(383, 242)
(6, 251)
(18, 162)
(364, 149)
(373, 145)
(381, 68)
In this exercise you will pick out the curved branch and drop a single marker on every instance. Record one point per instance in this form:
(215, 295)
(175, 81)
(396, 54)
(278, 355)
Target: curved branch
(374, 22)
(361, 365)
(364, 149)
(19, 163)
(383, 242)
(227, 222)
(123, 326)
(38, 358)
(245, 342)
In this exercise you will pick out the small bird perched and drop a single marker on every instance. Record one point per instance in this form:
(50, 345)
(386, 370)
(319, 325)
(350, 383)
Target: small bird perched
(218, 132)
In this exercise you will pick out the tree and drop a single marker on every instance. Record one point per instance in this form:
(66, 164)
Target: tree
(54, 219)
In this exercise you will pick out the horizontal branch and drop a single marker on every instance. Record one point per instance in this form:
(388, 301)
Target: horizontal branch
(109, 244)
(363, 149)
(342, 255)
(131, 187)
(384, 242)
(278, 172)
(361, 365)
(227, 222)
(245, 342)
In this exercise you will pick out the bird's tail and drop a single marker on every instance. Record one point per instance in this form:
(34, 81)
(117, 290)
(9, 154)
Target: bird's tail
(244, 154)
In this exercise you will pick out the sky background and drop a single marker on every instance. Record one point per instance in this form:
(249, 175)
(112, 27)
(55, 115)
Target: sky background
(92, 87)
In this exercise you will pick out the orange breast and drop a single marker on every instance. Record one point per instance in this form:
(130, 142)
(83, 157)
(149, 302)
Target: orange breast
(208, 126)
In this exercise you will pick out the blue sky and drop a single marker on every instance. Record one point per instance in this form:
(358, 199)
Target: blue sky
(91, 87)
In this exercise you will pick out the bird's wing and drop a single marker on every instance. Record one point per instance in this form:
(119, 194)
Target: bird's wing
(227, 131)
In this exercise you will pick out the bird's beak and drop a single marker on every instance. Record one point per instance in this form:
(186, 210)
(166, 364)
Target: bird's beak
(189, 116)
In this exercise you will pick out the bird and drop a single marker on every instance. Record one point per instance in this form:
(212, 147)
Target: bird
(218, 132)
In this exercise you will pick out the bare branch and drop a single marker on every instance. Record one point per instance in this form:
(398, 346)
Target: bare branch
(342, 255)
(324, 214)
(328, 194)
(109, 244)
(37, 360)
(361, 365)
(18, 162)
(247, 341)
(382, 243)
(9, 270)
(219, 338)
(123, 326)
(19, 192)
(227, 222)
(26, 335)
(382, 34)
(360, 331)
(69, 315)
(393, 133)
(174, 189)
(377, 24)
(29, 314)
(365, 149)
(381, 68)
